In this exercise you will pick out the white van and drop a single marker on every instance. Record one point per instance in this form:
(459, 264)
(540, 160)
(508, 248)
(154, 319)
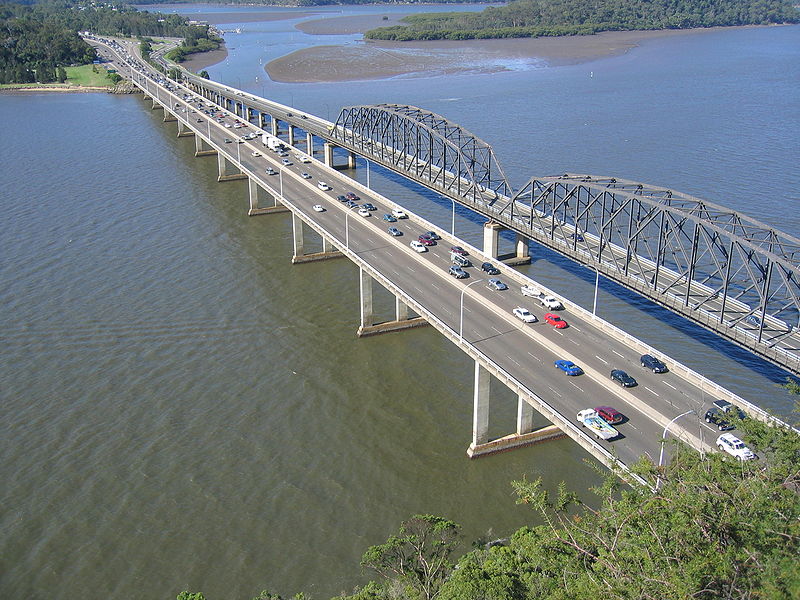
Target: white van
(460, 260)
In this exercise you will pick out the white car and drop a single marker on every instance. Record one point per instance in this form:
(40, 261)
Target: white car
(729, 443)
(529, 290)
(523, 314)
(305, 159)
(323, 186)
(305, 175)
(416, 246)
(363, 212)
(400, 214)
(256, 153)
(318, 208)
(550, 302)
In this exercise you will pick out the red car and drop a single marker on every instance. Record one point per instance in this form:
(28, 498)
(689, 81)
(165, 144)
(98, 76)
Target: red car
(610, 415)
(458, 250)
(426, 241)
(351, 196)
(555, 320)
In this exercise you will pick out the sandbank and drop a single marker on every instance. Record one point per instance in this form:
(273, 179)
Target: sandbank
(382, 60)
(350, 24)
(199, 61)
(246, 17)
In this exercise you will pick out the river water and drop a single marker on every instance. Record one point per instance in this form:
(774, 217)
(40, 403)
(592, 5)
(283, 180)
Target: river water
(184, 409)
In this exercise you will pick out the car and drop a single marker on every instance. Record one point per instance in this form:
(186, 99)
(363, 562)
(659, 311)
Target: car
(716, 417)
(271, 171)
(732, 410)
(425, 241)
(651, 362)
(496, 284)
(389, 218)
(368, 205)
(523, 314)
(363, 212)
(199, 120)
(555, 321)
(286, 162)
(417, 247)
(305, 175)
(318, 208)
(323, 186)
(256, 153)
(622, 378)
(433, 235)
(529, 290)
(394, 231)
(303, 117)
(240, 141)
(399, 213)
(550, 302)
(228, 140)
(569, 367)
(753, 320)
(341, 198)
(610, 415)
(305, 159)
(351, 204)
(457, 272)
(351, 196)
(283, 153)
(490, 268)
(729, 443)
(458, 250)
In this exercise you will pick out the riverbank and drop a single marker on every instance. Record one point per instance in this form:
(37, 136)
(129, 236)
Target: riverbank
(42, 87)
(382, 60)
(197, 62)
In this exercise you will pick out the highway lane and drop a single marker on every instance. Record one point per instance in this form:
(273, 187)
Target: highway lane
(507, 341)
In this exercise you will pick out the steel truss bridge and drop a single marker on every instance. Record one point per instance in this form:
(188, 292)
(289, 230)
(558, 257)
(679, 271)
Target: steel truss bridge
(719, 268)
(732, 274)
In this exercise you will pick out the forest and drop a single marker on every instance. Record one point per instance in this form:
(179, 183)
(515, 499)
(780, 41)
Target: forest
(36, 39)
(706, 527)
(537, 18)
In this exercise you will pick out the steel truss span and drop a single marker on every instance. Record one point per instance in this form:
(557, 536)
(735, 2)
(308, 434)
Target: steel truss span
(720, 268)
(424, 146)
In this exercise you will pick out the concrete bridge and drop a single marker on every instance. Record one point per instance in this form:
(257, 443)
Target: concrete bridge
(477, 320)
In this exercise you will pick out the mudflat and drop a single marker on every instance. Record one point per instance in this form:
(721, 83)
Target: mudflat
(380, 60)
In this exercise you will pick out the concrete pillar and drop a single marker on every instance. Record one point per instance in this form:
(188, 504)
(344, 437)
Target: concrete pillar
(275, 127)
(328, 153)
(202, 148)
(521, 246)
(255, 193)
(184, 130)
(291, 135)
(351, 160)
(169, 117)
(261, 120)
(297, 235)
(480, 406)
(400, 309)
(156, 104)
(309, 144)
(327, 246)
(228, 171)
(491, 237)
(366, 299)
(524, 416)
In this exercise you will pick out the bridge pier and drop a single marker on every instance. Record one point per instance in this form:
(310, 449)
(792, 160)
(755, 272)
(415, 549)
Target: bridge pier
(261, 120)
(299, 256)
(491, 242)
(275, 129)
(184, 130)
(525, 435)
(156, 104)
(258, 193)
(291, 135)
(309, 144)
(202, 147)
(228, 171)
(328, 149)
(368, 326)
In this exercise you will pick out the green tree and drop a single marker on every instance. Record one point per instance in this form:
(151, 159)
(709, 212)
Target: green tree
(204, 74)
(418, 557)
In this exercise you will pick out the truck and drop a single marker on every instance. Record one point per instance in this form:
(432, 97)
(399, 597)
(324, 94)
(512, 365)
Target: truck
(588, 417)
(546, 300)
(270, 142)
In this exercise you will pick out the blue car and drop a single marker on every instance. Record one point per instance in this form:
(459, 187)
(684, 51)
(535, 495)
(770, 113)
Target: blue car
(389, 219)
(569, 367)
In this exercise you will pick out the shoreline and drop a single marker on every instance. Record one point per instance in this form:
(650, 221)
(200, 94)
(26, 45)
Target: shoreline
(374, 60)
(65, 89)
(200, 60)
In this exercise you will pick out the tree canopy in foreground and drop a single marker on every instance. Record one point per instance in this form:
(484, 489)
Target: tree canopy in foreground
(536, 18)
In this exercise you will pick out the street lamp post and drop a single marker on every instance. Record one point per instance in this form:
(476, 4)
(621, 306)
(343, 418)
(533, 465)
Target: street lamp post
(596, 285)
(664, 438)
(461, 311)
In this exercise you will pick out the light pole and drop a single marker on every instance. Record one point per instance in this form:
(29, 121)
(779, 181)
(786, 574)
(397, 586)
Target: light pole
(347, 228)
(280, 179)
(664, 438)
(461, 311)
(453, 223)
(596, 285)
(367, 173)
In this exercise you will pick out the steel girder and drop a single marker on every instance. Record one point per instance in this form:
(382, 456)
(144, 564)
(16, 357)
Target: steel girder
(424, 146)
(688, 254)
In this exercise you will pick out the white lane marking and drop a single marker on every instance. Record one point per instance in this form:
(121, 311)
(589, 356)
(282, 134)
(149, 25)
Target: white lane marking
(434, 286)
(669, 385)
(555, 392)
(534, 357)
(618, 354)
(467, 309)
(497, 330)
(651, 391)
(574, 328)
(558, 331)
(632, 427)
(577, 386)
(412, 269)
(574, 342)
(515, 362)
(600, 359)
